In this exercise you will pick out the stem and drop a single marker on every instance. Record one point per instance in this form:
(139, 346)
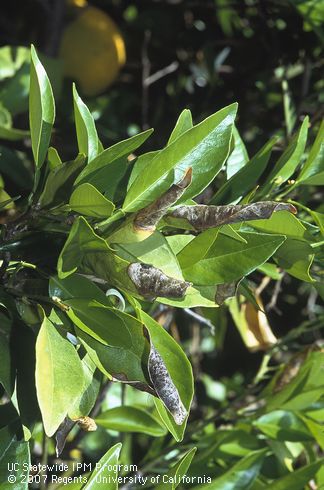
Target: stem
(103, 225)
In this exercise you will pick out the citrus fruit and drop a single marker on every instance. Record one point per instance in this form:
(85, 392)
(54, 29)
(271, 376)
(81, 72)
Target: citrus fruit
(92, 50)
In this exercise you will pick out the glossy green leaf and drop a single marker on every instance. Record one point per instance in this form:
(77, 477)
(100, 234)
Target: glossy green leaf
(76, 286)
(297, 479)
(41, 109)
(178, 367)
(143, 162)
(198, 248)
(130, 419)
(87, 200)
(291, 157)
(141, 165)
(183, 123)
(88, 394)
(313, 170)
(296, 258)
(59, 183)
(239, 156)
(282, 222)
(283, 426)
(110, 155)
(118, 339)
(228, 259)
(172, 478)
(109, 460)
(241, 476)
(54, 159)
(87, 137)
(90, 254)
(59, 376)
(246, 178)
(207, 142)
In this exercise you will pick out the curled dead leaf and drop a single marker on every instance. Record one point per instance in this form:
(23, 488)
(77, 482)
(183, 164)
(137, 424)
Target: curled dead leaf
(164, 387)
(201, 217)
(151, 282)
(146, 219)
(62, 433)
(224, 291)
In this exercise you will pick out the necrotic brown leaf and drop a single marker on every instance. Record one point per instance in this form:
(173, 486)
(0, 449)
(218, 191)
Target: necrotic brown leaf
(151, 282)
(147, 218)
(62, 433)
(202, 217)
(224, 291)
(164, 386)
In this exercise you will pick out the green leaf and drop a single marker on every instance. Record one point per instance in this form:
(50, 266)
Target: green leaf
(110, 155)
(87, 137)
(109, 460)
(41, 109)
(17, 452)
(130, 419)
(314, 164)
(289, 107)
(143, 162)
(141, 165)
(241, 476)
(86, 251)
(297, 479)
(117, 339)
(239, 156)
(304, 388)
(291, 157)
(296, 257)
(87, 200)
(59, 376)
(246, 178)
(183, 123)
(53, 158)
(179, 369)
(88, 394)
(281, 222)
(172, 478)
(228, 259)
(76, 286)
(283, 425)
(198, 248)
(208, 142)
(58, 185)
(155, 250)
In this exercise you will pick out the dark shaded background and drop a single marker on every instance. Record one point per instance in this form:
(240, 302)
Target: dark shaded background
(226, 50)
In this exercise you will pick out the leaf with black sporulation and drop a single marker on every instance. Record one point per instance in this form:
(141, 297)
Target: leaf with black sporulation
(165, 387)
(147, 218)
(62, 433)
(151, 282)
(202, 217)
(143, 224)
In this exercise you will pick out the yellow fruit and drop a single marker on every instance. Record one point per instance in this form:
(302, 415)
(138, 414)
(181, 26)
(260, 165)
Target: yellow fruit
(92, 50)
